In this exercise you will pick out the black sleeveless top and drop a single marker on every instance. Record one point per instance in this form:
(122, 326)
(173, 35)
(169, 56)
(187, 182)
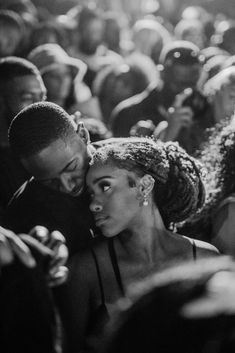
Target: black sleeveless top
(101, 316)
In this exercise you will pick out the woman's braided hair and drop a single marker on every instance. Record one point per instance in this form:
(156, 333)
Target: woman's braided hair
(178, 190)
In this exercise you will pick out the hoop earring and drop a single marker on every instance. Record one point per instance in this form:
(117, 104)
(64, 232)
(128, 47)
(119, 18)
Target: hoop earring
(145, 202)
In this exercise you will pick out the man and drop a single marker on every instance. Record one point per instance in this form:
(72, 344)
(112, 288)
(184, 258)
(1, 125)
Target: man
(190, 113)
(56, 152)
(20, 85)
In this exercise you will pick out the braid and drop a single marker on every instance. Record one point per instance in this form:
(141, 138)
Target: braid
(184, 192)
(178, 190)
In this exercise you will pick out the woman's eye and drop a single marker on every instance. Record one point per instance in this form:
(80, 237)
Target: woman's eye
(105, 187)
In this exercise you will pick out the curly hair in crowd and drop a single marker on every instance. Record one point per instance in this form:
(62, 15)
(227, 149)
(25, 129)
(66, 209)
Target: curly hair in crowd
(178, 190)
(218, 158)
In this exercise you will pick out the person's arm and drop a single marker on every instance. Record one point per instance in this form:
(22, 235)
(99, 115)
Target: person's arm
(77, 303)
(224, 229)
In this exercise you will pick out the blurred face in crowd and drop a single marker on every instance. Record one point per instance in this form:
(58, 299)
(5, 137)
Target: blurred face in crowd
(10, 38)
(114, 200)
(58, 82)
(62, 165)
(91, 36)
(227, 93)
(20, 92)
(182, 76)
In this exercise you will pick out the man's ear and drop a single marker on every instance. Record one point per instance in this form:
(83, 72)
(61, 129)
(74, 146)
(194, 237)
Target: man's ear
(146, 185)
(83, 133)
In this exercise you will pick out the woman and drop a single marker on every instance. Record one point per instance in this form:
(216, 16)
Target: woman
(139, 189)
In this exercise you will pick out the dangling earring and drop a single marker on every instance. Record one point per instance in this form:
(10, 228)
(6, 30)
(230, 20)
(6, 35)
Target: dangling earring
(145, 202)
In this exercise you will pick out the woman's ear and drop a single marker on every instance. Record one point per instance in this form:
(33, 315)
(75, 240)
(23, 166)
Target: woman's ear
(146, 185)
(83, 133)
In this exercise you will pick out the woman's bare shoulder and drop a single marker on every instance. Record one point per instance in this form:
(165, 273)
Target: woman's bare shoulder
(204, 248)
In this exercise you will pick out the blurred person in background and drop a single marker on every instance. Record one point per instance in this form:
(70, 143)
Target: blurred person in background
(149, 37)
(191, 30)
(187, 308)
(11, 33)
(220, 91)
(90, 41)
(63, 77)
(176, 100)
(20, 85)
(215, 221)
(224, 36)
(118, 82)
(47, 32)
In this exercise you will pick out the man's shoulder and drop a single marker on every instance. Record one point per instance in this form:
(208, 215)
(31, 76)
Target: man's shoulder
(26, 190)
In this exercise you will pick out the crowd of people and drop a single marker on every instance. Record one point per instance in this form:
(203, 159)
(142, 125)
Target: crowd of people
(117, 178)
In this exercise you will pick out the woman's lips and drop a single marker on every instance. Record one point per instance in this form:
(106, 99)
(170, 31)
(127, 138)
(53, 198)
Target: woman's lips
(99, 221)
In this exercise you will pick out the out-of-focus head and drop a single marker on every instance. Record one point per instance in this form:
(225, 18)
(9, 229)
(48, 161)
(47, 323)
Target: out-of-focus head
(149, 37)
(46, 32)
(181, 65)
(90, 28)
(206, 18)
(116, 83)
(20, 85)
(188, 308)
(112, 31)
(223, 83)
(192, 31)
(214, 65)
(140, 167)
(224, 36)
(11, 32)
(58, 70)
(51, 146)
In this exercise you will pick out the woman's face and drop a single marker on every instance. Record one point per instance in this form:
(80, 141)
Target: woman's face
(115, 201)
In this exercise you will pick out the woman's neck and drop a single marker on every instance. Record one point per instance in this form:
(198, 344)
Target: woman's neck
(146, 239)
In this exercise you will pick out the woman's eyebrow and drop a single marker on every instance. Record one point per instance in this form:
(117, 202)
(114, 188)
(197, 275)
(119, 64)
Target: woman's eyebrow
(103, 177)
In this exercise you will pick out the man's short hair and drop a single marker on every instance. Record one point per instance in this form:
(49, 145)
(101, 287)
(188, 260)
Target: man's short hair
(12, 66)
(37, 126)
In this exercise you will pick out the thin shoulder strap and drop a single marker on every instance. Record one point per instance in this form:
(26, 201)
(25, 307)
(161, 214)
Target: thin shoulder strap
(99, 276)
(194, 250)
(113, 257)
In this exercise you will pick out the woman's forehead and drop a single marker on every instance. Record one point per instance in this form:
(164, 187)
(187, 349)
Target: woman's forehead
(99, 170)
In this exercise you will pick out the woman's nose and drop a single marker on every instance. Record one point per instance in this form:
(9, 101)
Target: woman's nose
(95, 207)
